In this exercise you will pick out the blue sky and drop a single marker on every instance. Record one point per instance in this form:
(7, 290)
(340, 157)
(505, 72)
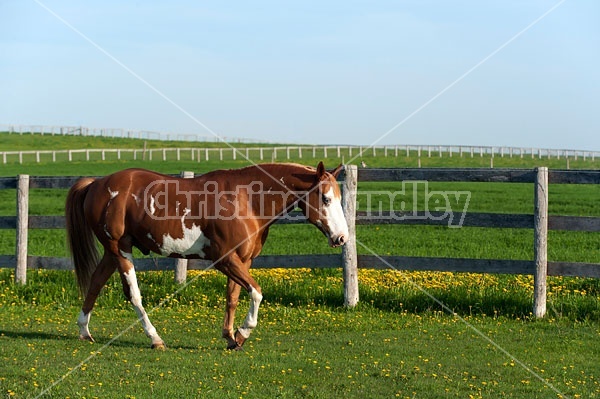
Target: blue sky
(339, 72)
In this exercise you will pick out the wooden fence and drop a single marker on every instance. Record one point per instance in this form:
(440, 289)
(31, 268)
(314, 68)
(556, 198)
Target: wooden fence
(540, 222)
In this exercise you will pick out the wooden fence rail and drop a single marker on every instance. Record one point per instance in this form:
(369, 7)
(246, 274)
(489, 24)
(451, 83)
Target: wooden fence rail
(349, 260)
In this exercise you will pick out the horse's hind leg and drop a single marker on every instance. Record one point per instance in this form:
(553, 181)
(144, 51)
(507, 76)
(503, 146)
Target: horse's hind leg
(104, 270)
(132, 292)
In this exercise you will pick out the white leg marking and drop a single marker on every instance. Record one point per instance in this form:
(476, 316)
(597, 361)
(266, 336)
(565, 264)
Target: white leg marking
(136, 301)
(152, 208)
(252, 317)
(83, 321)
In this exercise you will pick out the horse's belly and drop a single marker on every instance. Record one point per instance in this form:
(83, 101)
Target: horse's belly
(191, 244)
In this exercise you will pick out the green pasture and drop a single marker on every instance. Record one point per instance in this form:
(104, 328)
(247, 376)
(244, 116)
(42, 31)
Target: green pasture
(398, 342)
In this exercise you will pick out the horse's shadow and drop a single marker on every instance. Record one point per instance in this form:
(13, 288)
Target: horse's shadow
(33, 335)
(101, 342)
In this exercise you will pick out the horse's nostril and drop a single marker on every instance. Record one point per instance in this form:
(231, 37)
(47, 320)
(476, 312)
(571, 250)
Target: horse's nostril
(341, 240)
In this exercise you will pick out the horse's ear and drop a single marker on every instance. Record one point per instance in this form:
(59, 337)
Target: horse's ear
(320, 170)
(336, 172)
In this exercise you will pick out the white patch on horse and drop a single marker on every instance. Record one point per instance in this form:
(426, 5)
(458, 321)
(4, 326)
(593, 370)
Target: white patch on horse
(152, 208)
(186, 212)
(282, 181)
(136, 198)
(192, 242)
(113, 194)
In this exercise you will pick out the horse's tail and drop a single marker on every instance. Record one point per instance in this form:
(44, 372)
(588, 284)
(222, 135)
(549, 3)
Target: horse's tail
(80, 236)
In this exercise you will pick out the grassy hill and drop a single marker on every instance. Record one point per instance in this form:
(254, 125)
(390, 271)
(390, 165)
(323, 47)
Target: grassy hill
(195, 160)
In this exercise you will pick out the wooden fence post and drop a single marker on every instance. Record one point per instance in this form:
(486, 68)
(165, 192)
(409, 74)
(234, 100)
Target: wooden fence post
(349, 256)
(540, 225)
(22, 226)
(181, 264)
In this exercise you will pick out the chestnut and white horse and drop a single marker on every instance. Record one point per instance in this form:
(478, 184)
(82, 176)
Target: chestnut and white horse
(223, 216)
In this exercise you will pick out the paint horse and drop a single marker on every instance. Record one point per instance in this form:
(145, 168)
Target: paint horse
(223, 216)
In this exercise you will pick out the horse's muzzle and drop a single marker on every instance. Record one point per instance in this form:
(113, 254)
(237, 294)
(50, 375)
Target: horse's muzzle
(337, 241)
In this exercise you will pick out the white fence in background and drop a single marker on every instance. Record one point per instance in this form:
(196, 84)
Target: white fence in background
(272, 153)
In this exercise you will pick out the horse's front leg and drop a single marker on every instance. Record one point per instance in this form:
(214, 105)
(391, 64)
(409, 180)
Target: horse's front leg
(251, 320)
(239, 272)
(233, 294)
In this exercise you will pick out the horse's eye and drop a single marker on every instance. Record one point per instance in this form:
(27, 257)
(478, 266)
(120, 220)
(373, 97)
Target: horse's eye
(326, 200)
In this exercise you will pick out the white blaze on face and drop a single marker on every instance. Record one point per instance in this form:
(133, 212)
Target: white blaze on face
(334, 215)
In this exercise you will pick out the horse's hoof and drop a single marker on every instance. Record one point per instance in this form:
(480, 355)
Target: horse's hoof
(159, 346)
(239, 338)
(86, 338)
(235, 347)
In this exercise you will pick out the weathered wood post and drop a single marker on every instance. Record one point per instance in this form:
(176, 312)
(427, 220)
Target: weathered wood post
(349, 256)
(22, 226)
(181, 264)
(540, 226)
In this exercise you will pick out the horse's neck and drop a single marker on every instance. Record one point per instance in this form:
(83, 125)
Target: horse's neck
(288, 182)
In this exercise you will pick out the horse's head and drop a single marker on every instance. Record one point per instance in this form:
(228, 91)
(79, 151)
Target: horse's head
(322, 206)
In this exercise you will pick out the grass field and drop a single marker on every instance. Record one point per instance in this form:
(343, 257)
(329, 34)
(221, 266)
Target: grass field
(398, 342)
